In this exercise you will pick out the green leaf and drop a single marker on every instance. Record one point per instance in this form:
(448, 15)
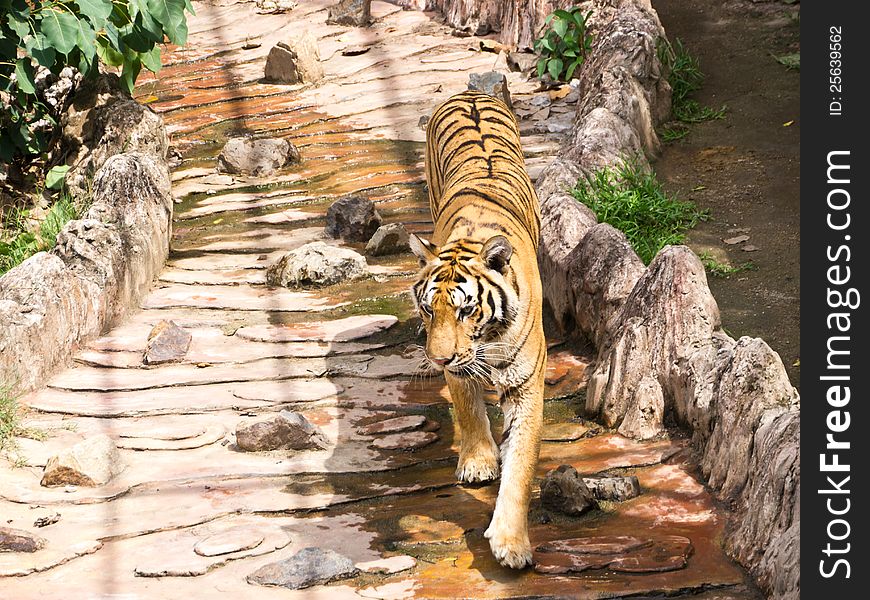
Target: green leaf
(170, 14)
(96, 10)
(24, 73)
(542, 66)
(55, 176)
(40, 48)
(569, 74)
(151, 60)
(564, 15)
(130, 72)
(560, 26)
(61, 29)
(108, 54)
(135, 38)
(554, 68)
(19, 23)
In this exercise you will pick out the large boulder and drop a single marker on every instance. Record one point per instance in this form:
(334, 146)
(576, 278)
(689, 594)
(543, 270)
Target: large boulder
(295, 61)
(92, 462)
(357, 13)
(316, 264)
(249, 156)
(353, 219)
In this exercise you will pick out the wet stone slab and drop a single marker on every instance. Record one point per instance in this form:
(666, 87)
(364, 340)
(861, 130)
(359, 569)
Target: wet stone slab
(618, 553)
(236, 298)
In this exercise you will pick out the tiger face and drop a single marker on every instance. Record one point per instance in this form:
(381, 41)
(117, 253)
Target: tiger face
(466, 297)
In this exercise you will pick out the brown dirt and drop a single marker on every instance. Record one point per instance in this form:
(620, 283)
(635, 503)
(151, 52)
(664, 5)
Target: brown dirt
(747, 163)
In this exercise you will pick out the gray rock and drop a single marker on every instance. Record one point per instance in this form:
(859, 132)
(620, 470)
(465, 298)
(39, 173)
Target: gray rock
(294, 61)
(565, 491)
(353, 219)
(250, 156)
(287, 431)
(18, 540)
(350, 12)
(103, 121)
(316, 264)
(167, 342)
(391, 238)
(56, 89)
(310, 566)
(522, 62)
(617, 489)
(493, 83)
(92, 462)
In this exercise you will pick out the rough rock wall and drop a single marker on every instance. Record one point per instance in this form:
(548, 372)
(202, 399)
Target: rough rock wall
(660, 346)
(103, 263)
(518, 22)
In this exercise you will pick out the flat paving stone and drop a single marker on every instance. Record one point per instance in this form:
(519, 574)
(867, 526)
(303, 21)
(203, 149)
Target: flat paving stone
(195, 551)
(388, 566)
(339, 330)
(229, 541)
(228, 349)
(214, 276)
(407, 441)
(264, 240)
(100, 379)
(394, 425)
(212, 434)
(227, 261)
(172, 400)
(236, 298)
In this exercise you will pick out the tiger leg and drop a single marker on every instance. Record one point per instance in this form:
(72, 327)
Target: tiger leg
(478, 453)
(508, 532)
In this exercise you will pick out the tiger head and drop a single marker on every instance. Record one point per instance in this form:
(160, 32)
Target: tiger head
(467, 299)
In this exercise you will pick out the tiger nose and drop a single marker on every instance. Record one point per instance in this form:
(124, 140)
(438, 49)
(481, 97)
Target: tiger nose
(440, 360)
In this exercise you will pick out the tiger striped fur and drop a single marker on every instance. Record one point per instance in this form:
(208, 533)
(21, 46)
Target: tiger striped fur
(479, 296)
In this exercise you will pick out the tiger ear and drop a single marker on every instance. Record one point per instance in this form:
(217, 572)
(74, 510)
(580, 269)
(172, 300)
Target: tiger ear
(496, 253)
(423, 249)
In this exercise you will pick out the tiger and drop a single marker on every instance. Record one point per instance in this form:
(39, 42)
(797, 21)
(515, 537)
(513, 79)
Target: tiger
(478, 295)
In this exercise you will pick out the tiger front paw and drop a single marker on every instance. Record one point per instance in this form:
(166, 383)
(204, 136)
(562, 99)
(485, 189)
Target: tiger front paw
(510, 549)
(478, 467)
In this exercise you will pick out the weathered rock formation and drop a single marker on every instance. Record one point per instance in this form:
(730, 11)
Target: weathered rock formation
(104, 262)
(518, 22)
(660, 347)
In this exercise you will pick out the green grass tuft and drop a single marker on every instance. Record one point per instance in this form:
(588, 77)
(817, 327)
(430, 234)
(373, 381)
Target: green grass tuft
(632, 200)
(17, 243)
(686, 78)
(10, 417)
(723, 270)
(792, 62)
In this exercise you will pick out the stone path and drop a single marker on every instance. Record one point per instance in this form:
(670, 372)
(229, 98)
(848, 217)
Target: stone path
(193, 516)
